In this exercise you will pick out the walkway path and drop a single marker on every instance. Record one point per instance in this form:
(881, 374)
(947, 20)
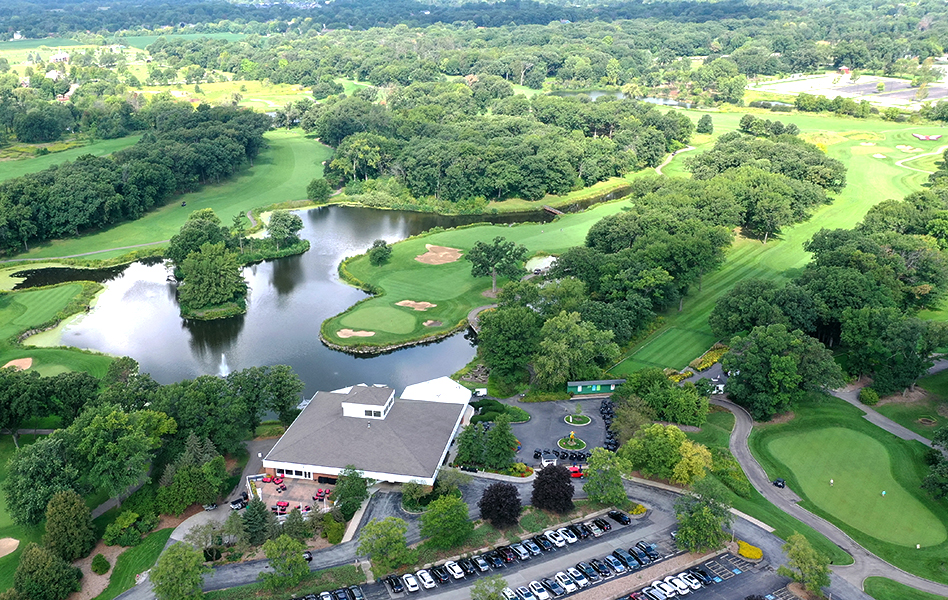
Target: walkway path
(899, 163)
(253, 222)
(472, 316)
(672, 156)
(852, 396)
(865, 564)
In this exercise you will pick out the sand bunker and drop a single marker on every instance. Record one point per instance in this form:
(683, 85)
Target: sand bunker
(867, 144)
(438, 255)
(431, 323)
(905, 148)
(8, 545)
(416, 305)
(348, 333)
(878, 156)
(20, 364)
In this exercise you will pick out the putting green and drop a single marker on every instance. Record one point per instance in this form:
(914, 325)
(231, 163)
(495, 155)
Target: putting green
(381, 318)
(861, 469)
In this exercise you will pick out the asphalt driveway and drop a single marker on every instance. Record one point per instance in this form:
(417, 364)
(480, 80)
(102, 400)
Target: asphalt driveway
(546, 425)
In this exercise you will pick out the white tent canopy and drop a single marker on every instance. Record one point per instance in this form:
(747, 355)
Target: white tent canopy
(442, 389)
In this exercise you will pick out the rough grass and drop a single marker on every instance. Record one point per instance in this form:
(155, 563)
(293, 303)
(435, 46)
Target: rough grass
(904, 465)
(716, 432)
(279, 174)
(908, 415)
(16, 168)
(133, 561)
(881, 588)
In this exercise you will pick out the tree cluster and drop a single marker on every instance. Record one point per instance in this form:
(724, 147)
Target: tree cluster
(491, 448)
(765, 127)
(665, 452)
(197, 476)
(685, 404)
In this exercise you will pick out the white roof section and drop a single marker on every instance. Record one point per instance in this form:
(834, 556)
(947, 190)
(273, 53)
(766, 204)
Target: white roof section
(442, 389)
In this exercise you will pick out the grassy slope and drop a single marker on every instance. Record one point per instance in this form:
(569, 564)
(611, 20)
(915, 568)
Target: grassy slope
(279, 174)
(133, 561)
(7, 527)
(870, 180)
(881, 588)
(907, 468)
(16, 168)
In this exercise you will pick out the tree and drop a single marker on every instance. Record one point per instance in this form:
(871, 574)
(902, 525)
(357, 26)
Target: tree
(35, 474)
(705, 125)
(694, 463)
(500, 504)
(283, 227)
(379, 253)
(446, 522)
(702, 515)
(70, 532)
(384, 543)
(603, 477)
(296, 527)
(286, 558)
(350, 492)
(234, 530)
(488, 588)
(42, 575)
(471, 443)
(498, 258)
(655, 450)
(179, 573)
(500, 447)
(571, 349)
(211, 277)
(256, 521)
(553, 490)
(202, 227)
(774, 367)
(936, 482)
(508, 338)
(22, 396)
(805, 564)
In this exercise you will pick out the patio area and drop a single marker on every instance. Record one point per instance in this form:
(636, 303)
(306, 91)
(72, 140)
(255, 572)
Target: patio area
(298, 493)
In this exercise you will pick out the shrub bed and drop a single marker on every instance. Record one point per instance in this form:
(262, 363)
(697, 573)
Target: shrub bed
(868, 396)
(100, 565)
(749, 552)
(489, 409)
(709, 358)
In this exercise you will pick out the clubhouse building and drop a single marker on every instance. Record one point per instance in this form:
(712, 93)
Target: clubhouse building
(387, 438)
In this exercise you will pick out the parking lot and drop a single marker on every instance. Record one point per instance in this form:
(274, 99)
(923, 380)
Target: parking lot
(547, 425)
(735, 577)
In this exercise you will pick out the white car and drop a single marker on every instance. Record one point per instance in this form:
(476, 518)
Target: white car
(411, 584)
(665, 588)
(539, 591)
(524, 593)
(454, 569)
(578, 577)
(594, 529)
(690, 579)
(324, 596)
(555, 538)
(508, 594)
(680, 586)
(567, 582)
(427, 581)
(568, 535)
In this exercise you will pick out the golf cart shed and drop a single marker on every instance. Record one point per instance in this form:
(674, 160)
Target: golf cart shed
(583, 388)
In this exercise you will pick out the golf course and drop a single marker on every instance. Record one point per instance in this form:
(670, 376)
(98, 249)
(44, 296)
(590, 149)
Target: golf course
(829, 440)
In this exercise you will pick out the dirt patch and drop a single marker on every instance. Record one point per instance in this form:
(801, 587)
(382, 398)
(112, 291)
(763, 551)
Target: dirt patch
(797, 590)
(942, 410)
(490, 293)
(869, 144)
(916, 395)
(416, 305)
(8, 545)
(172, 521)
(781, 418)
(92, 584)
(20, 364)
(927, 422)
(348, 333)
(438, 255)
(905, 148)
(433, 323)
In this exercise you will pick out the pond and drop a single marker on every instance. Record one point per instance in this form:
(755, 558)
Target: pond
(595, 94)
(137, 314)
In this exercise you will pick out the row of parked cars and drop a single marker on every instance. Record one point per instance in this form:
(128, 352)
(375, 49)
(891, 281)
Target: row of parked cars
(350, 593)
(497, 558)
(674, 585)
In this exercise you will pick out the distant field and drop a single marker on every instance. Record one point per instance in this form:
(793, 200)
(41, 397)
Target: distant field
(143, 41)
(27, 45)
(15, 168)
(254, 94)
(279, 174)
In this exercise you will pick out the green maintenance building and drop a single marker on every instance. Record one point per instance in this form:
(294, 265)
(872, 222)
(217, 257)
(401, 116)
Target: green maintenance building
(591, 388)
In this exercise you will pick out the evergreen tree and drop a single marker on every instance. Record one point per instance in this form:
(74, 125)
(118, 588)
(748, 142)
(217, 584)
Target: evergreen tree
(69, 529)
(256, 521)
(471, 445)
(42, 575)
(295, 526)
(501, 445)
(235, 530)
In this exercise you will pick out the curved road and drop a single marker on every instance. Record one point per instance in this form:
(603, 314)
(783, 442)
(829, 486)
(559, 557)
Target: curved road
(865, 564)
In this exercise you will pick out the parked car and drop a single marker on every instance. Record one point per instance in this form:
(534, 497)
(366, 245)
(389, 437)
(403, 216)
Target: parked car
(640, 557)
(650, 550)
(427, 581)
(508, 594)
(325, 596)
(566, 581)
(356, 592)
(681, 588)
(690, 580)
(555, 538)
(665, 588)
(411, 584)
(603, 524)
(627, 560)
(567, 535)
(588, 570)
(481, 563)
(614, 564)
(341, 594)
(555, 588)
(454, 569)
(468, 565)
(654, 593)
(211, 506)
(532, 547)
(619, 517)
(494, 559)
(539, 591)
(506, 554)
(544, 543)
(441, 574)
(701, 575)
(604, 571)
(524, 593)
(596, 531)
(308, 556)
(780, 483)
(396, 584)
(579, 530)
(238, 504)
(577, 576)
(520, 551)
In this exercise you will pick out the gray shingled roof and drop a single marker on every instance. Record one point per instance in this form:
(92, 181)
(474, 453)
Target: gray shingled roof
(368, 394)
(409, 441)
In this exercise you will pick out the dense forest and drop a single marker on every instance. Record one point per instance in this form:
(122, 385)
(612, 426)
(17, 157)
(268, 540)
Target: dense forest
(182, 148)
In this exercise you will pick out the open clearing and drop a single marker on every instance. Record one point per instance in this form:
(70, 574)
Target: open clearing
(15, 168)
(897, 92)
(829, 439)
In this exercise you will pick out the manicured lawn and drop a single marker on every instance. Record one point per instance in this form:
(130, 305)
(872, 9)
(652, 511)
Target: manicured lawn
(133, 561)
(279, 174)
(830, 439)
(15, 168)
(909, 415)
(716, 432)
(673, 347)
(881, 588)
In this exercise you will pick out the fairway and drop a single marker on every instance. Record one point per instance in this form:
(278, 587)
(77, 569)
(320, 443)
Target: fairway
(279, 174)
(16, 168)
(861, 469)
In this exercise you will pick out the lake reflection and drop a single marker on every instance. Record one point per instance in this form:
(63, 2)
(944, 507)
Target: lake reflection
(137, 314)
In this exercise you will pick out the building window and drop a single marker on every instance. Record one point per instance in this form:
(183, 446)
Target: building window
(280, 472)
(377, 413)
(368, 413)
(298, 473)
